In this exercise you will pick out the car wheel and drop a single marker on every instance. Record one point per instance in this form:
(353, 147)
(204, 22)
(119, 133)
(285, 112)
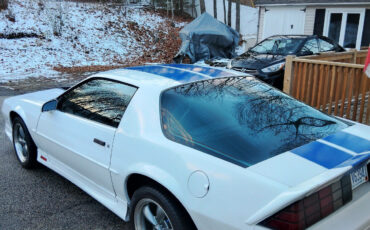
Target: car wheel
(23, 144)
(156, 210)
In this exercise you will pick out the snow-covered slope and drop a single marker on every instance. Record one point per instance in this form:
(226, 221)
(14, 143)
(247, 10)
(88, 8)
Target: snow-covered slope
(74, 34)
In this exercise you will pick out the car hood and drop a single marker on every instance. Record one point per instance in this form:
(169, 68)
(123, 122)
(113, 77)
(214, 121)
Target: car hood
(312, 166)
(40, 97)
(255, 61)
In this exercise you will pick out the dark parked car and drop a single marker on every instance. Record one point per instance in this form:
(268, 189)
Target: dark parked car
(266, 60)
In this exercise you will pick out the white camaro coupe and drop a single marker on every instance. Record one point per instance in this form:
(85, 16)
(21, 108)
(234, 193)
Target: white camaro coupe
(186, 147)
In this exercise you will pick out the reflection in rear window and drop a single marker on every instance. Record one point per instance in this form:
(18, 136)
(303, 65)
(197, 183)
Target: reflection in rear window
(240, 119)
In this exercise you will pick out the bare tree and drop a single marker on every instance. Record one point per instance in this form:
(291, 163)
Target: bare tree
(172, 9)
(237, 23)
(215, 9)
(194, 9)
(3, 4)
(229, 13)
(182, 7)
(202, 6)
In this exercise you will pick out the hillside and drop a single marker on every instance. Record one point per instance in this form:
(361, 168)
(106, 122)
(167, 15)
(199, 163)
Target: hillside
(41, 39)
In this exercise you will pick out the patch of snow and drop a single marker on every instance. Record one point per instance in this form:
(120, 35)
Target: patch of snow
(71, 34)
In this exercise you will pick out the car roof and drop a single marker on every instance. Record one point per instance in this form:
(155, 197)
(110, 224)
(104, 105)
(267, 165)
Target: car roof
(166, 75)
(292, 36)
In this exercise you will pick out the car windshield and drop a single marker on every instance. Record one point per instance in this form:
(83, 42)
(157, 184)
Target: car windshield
(278, 46)
(240, 119)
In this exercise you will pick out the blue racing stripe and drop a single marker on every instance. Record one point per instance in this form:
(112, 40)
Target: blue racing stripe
(174, 74)
(356, 160)
(349, 141)
(212, 72)
(322, 154)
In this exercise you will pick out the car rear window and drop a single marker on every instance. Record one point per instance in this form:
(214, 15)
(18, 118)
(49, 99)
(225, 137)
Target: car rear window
(240, 119)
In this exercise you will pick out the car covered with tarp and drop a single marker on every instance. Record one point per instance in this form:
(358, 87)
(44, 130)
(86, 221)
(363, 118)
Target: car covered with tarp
(206, 38)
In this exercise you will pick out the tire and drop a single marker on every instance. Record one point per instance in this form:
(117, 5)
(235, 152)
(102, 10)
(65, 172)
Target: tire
(178, 218)
(24, 147)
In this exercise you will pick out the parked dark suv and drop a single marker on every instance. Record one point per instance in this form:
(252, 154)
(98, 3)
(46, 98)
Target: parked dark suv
(266, 60)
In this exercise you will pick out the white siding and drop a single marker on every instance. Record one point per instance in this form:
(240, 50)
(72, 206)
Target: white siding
(309, 20)
(260, 29)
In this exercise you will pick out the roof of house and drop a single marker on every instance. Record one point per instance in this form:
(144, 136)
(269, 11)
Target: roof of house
(305, 2)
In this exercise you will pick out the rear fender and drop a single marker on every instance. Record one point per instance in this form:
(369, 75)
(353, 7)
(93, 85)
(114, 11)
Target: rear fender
(158, 175)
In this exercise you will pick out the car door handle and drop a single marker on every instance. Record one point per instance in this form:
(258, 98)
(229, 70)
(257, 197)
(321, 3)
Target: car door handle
(99, 142)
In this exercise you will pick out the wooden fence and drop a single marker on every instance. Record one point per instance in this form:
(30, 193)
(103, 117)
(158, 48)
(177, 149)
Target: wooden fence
(354, 57)
(337, 88)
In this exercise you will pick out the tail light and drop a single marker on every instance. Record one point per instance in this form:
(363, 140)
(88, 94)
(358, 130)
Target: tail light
(311, 209)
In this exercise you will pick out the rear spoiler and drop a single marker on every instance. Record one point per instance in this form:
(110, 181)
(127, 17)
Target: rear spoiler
(296, 193)
(307, 188)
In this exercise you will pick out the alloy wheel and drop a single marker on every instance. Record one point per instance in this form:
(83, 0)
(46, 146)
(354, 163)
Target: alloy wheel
(20, 143)
(149, 215)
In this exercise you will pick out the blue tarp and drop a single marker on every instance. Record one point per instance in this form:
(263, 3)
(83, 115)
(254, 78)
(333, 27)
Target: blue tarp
(206, 38)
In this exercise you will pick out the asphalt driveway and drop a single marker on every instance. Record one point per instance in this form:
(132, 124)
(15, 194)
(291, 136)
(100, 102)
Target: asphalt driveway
(41, 199)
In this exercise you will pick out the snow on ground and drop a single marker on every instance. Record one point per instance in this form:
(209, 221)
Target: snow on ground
(72, 34)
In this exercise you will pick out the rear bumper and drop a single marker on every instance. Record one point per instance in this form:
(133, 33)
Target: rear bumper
(354, 215)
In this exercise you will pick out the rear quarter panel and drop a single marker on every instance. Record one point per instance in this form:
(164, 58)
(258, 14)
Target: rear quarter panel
(235, 193)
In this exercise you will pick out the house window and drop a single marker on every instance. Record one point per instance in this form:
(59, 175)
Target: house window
(319, 22)
(335, 26)
(350, 35)
(345, 26)
(366, 33)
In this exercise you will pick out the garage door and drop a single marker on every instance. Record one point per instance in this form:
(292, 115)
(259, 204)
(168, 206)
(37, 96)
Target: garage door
(284, 20)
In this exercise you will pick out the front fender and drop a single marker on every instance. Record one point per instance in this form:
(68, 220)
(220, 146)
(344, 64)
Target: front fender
(28, 107)
(28, 112)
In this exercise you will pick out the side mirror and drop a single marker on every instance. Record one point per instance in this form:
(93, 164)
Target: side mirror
(50, 105)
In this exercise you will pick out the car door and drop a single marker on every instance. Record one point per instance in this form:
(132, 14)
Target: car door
(77, 137)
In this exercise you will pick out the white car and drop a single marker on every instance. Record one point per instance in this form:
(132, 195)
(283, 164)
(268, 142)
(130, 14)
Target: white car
(188, 147)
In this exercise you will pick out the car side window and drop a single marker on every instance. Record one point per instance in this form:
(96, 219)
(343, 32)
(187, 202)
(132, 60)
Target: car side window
(100, 100)
(326, 46)
(310, 46)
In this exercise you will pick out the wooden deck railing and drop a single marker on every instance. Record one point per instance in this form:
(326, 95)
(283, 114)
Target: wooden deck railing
(340, 89)
(354, 57)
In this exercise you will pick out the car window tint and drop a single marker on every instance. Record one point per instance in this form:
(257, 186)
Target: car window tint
(99, 100)
(310, 45)
(240, 119)
(326, 46)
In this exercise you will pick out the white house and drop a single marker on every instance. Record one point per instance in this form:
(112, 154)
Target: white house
(345, 21)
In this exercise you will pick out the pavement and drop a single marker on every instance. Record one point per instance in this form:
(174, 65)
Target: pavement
(42, 199)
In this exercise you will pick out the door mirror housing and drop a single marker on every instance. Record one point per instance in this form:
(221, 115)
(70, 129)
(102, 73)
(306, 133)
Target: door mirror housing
(50, 105)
